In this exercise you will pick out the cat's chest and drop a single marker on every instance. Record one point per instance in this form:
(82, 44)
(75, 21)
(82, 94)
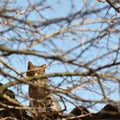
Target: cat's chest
(39, 89)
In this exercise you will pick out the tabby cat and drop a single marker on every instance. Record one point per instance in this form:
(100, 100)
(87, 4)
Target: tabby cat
(39, 92)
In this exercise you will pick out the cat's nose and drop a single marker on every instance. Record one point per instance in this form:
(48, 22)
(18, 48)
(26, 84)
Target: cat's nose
(36, 74)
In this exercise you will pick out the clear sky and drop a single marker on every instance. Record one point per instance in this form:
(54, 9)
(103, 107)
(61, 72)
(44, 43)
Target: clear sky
(63, 8)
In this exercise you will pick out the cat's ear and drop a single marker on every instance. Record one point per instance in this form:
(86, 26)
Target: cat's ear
(30, 65)
(43, 67)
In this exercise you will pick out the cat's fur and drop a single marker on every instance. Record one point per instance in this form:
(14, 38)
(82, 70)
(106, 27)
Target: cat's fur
(39, 93)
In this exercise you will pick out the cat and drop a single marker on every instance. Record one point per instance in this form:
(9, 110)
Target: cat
(39, 92)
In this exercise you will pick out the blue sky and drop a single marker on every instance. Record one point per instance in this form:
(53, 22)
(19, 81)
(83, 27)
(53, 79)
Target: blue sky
(62, 8)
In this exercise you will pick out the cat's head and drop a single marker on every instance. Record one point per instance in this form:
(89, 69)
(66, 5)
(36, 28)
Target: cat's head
(35, 70)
